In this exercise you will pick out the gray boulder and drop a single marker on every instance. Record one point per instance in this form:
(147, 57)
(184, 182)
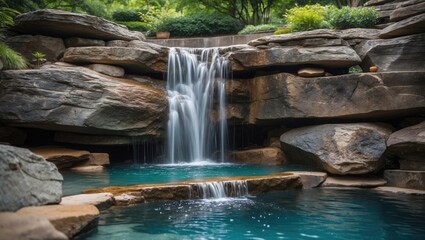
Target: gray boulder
(28, 44)
(409, 145)
(76, 99)
(338, 148)
(64, 24)
(397, 54)
(27, 179)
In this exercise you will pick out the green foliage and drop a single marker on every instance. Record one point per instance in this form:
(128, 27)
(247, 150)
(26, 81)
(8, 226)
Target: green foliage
(201, 25)
(38, 55)
(306, 18)
(282, 31)
(257, 29)
(346, 17)
(136, 26)
(125, 16)
(11, 59)
(156, 17)
(355, 69)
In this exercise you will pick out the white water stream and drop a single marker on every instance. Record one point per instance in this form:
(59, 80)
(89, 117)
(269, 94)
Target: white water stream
(196, 87)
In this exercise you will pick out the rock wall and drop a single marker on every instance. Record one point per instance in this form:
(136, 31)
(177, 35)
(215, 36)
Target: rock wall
(107, 86)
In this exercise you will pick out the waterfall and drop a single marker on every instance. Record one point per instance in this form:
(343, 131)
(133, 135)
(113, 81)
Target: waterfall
(193, 83)
(223, 189)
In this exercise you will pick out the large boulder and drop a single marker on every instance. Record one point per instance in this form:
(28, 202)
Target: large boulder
(69, 219)
(28, 44)
(408, 26)
(338, 148)
(409, 145)
(17, 227)
(281, 97)
(76, 99)
(133, 59)
(57, 23)
(397, 54)
(27, 179)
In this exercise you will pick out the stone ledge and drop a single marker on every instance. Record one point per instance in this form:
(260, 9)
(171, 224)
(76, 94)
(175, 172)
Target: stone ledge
(183, 190)
(358, 181)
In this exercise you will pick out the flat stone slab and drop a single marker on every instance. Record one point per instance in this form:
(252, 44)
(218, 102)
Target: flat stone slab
(263, 156)
(408, 26)
(69, 219)
(60, 156)
(405, 179)
(311, 179)
(101, 200)
(17, 227)
(50, 22)
(349, 181)
(398, 190)
(190, 189)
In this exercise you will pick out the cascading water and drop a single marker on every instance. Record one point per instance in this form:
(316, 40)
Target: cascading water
(222, 189)
(193, 81)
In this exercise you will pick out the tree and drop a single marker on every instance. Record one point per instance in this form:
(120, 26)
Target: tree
(246, 11)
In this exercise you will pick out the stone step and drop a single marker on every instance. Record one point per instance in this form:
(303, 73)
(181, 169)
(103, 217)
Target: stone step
(125, 195)
(405, 179)
(354, 181)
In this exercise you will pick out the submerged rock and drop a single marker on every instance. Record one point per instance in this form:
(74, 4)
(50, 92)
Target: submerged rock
(68, 219)
(76, 99)
(57, 23)
(27, 179)
(17, 227)
(338, 148)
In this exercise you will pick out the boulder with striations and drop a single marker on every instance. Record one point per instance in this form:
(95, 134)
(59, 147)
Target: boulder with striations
(76, 99)
(282, 97)
(338, 148)
(63, 24)
(396, 54)
(27, 179)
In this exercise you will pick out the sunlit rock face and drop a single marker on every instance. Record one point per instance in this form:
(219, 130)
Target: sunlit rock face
(76, 99)
(27, 179)
(338, 148)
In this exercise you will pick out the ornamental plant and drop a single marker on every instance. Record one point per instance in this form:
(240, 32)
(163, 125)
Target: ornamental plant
(308, 17)
(346, 17)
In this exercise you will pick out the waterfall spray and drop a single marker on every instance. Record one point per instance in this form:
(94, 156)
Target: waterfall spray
(193, 81)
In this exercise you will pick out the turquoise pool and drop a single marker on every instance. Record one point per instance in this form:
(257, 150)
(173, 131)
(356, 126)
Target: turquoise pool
(122, 175)
(308, 214)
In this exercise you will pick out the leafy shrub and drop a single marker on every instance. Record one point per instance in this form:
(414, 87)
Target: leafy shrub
(136, 26)
(10, 58)
(347, 17)
(248, 29)
(125, 16)
(282, 31)
(201, 25)
(308, 17)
